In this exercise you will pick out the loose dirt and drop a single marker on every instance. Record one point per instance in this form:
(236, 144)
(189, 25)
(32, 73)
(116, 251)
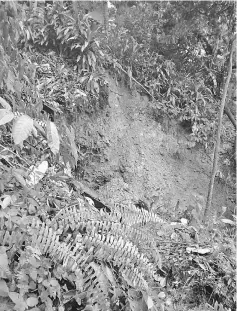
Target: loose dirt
(151, 161)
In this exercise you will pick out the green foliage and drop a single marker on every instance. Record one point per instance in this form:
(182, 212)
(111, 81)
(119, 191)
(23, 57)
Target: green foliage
(45, 265)
(60, 254)
(95, 259)
(178, 53)
(64, 29)
(31, 81)
(17, 73)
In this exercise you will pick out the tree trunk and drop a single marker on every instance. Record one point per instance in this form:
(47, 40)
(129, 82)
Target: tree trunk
(217, 147)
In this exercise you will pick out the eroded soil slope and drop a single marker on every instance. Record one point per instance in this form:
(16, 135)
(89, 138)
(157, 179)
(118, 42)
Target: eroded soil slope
(150, 161)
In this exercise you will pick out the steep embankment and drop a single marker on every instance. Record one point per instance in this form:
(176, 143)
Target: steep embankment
(146, 159)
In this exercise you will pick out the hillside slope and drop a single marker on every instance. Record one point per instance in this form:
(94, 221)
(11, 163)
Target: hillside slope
(150, 161)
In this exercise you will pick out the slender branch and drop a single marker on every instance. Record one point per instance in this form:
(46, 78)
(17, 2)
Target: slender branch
(120, 67)
(230, 116)
(217, 147)
(15, 154)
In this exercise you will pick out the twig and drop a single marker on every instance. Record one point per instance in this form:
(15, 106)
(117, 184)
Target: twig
(171, 242)
(15, 154)
(180, 243)
(120, 67)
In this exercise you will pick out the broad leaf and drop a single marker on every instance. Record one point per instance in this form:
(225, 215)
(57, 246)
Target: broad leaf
(22, 129)
(53, 137)
(148, 300)
(37, 173)
(5, 104)
(34, 132)
(3, 289)
(10, 81)
(5, 116)
(97, 16)
(18, 177)
(84, 46)
(228, 221)
(79, 93)
(6, 201)
(32, 301)
(71, 137)
(4, 267)
(18, 300)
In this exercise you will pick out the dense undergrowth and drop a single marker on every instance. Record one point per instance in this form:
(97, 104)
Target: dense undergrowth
(59, 252)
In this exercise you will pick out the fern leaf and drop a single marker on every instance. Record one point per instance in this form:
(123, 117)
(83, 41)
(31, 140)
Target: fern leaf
(110, 248)
(97, 284)
(71, 216)
(131, 215)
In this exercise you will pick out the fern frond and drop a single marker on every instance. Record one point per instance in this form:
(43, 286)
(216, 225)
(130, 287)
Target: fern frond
(85, 248)
(79, 218)
(131, 215)
(74, 257)
(123, 254)
(97, 286)
(100, 226)
(88, 251)
(70, 216)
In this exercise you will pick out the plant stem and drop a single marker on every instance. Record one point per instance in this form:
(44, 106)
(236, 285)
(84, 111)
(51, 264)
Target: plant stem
(217, 146)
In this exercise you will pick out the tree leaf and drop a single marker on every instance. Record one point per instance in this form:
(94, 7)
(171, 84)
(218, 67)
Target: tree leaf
(109, 274)
(71, 137)
(84, 46)
(228, 221)
(6, 201)
(34, 132)
(4, 290)
(53, 137)
(37, 173)
(162, 281)
(19, 178)
(5, 116)
(10, 81)
(32, 301)
(18, 300)
(4, 267)
(22, 129)
(149, 303)
(5, 104)
(3, 257)
(97, 16)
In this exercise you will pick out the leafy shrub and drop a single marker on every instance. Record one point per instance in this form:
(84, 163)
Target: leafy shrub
(70, 34)
(166, 49)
